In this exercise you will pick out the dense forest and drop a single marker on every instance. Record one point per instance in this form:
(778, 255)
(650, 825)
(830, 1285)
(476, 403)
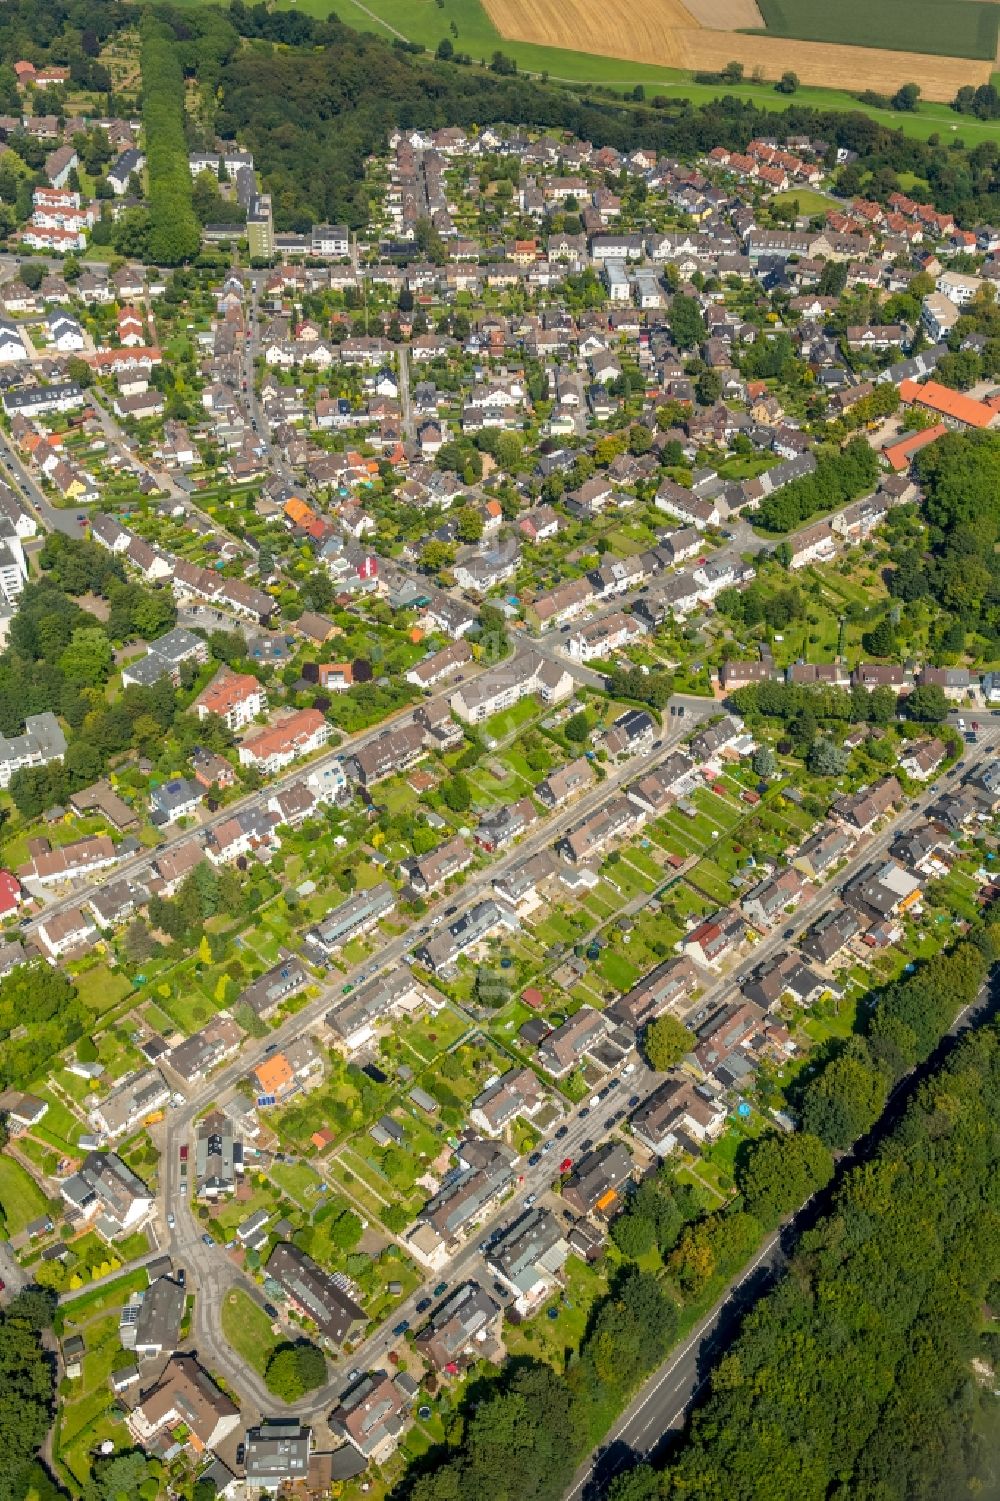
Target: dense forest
(313, 99)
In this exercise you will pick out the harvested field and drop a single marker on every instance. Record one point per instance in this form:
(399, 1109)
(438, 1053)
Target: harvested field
(664, 33)
(726, 15)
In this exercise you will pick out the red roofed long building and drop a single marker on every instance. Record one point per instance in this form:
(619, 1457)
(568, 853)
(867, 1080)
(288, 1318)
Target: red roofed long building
(278, 746)
(949, 404)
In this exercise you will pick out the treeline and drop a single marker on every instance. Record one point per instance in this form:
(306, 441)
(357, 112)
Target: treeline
(854, 1378)
(790, 702)
(837, 479)
(174, 234)
(27, 1393)
(849, 1089)
(522, 1436)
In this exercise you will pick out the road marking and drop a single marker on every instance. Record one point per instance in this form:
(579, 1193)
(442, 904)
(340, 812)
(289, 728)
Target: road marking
(647, 1396)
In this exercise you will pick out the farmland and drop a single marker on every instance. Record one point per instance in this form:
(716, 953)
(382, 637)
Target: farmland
(664, 32)
(944, 28)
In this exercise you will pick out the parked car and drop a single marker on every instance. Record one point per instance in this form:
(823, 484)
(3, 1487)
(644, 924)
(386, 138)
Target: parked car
(566, 1164)
(424, 1304)
(442, 1287)
(401, 1327)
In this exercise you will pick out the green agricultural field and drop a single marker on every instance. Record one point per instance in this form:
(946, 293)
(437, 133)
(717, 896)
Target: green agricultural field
(944, 28)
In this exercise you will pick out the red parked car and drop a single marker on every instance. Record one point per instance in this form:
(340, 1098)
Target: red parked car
(566, 1164)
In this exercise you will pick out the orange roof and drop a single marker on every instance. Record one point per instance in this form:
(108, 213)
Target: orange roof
(227, 691)
(494, 508)
(900, 453)
(949, 403)
(274, 1075)
(290, 733)
(296, 510)
(416, 634)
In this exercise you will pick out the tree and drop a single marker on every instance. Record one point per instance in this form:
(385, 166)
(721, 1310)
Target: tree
(346, 1231)
(456, 793)
(79, 371)
(665, 1042)
(577, 727)
(293, 1370)
(779, 1172)
(827, 758)
(927, 704)
(643, 1482)
(634, 1235)
(435, 556)
(881, 640)
(845, 1098)
(26, 1392)
(907, 97)
(88, 658)
(468, 524)
(708, 387)
(687, 326)
(832, 279)
(445, 50)
(765, 762)
(787, 83)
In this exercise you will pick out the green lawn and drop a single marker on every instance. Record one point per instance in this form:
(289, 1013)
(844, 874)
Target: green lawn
(20, 1197)
(100, 988)
(248, 1329)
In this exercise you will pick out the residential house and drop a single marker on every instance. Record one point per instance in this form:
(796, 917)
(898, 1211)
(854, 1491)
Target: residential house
(665, 988)
(463, 1330)
(299, 734)
(528, 1257)
(678, 1116)
(597, 1180)
(105, 1190)
(372, 1415)
(561, 1051)
(316, 1294)
(358, 914)
(185, 1399)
